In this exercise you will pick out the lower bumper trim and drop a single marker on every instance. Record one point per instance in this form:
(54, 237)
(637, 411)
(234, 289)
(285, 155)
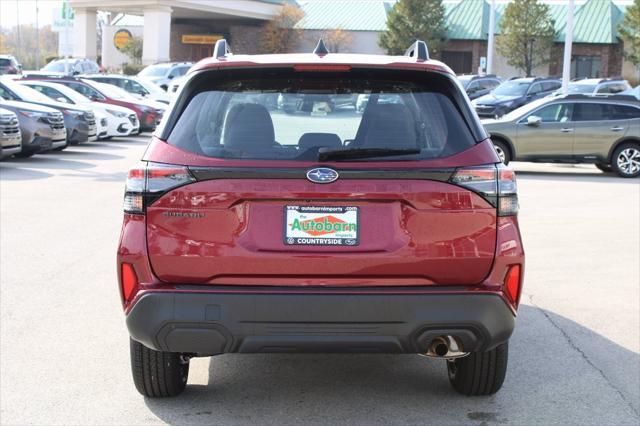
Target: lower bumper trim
(210, 323)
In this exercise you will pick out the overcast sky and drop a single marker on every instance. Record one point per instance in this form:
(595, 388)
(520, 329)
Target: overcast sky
(25, 10)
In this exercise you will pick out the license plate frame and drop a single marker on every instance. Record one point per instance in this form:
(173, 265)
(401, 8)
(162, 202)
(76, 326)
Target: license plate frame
(333, 225)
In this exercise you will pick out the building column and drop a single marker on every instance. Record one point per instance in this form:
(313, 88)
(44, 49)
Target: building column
(84, 33)
(157, 35)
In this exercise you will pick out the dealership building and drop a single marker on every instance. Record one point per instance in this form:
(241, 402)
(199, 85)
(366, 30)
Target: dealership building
(186, 30)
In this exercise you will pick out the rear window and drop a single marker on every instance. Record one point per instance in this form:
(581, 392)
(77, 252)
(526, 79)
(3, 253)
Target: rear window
(294, 116)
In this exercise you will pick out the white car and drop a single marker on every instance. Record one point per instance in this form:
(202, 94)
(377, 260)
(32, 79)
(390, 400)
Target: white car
(138, 87)
(162, 74)
(112, 120)
(174, 86)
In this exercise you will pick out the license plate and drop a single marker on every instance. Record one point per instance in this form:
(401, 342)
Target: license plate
(321, 225)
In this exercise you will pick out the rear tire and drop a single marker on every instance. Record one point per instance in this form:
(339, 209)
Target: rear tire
(158, 374)
(626, 160)
(502, 149)
(479, 373)
(605, 168)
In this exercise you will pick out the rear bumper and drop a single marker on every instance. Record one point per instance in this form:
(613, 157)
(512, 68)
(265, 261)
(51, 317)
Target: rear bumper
(208, 323)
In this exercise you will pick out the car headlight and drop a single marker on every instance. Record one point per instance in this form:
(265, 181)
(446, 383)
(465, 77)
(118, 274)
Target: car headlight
(474, 103)
(118, 114)
(160, 111)
(32, 114)
(507, 104)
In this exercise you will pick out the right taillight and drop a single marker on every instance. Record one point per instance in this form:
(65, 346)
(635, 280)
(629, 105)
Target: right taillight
(512, 284)
(495, 183)
(149, 181)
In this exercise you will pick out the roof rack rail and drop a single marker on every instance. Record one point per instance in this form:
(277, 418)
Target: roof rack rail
(320, 49)
(602, 96)
(222, 49)
(418, 50)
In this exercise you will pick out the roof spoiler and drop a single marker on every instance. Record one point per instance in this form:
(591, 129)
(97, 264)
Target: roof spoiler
(418, 50)
(222, 49)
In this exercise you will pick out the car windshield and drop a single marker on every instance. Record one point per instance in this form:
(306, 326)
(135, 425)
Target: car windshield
(306, 119)
(512, 88)
(465, 80)
(112, 91)
(581, 88)
(57, 66)
(26, 93)
(155, 71)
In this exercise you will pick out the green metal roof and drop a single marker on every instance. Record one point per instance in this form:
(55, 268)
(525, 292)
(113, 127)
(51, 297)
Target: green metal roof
(595, 21)
(351, 15)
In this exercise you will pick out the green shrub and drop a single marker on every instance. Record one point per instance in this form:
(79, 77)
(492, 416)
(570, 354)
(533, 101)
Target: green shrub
(131, 69)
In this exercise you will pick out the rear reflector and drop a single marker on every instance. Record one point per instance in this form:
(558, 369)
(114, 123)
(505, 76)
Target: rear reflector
(512, 284)
(129, 282)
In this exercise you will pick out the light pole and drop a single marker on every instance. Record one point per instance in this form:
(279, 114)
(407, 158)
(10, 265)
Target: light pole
(568, 41)
(490, 42)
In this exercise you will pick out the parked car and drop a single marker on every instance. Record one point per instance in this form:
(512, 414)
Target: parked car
(479, 85)
(135, 86)
(9, 65)
(513, 94)
(250, 231)
(632, 92)
(596, 86)
(573, 129)
(10, 137)
(113, 120)
(41, 128)
(79, 121)
(148, 113)
(173, 87)
(162, 74)
(72, 66)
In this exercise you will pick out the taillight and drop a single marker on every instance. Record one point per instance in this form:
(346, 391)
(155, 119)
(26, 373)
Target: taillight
(150, 181)
(512, 284)
(129, 281)
(495, 183)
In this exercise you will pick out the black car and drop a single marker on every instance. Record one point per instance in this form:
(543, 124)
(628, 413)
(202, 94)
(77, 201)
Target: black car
(479, 85)
(513, 94)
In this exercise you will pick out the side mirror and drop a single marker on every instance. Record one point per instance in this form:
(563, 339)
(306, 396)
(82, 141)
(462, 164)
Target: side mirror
(533, 120)
(170, 77)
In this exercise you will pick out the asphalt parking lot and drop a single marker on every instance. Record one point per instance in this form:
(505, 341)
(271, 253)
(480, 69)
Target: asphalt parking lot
(64, 356)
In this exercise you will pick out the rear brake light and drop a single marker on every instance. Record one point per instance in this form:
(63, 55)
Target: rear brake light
(496, 184)
(512, 284)
(321, 68)
(147, 183)
(129, 281)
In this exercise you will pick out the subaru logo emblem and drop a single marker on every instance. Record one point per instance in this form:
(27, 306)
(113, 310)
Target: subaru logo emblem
(322, 175)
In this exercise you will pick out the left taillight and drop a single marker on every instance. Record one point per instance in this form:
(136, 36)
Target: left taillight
(495, 183)
(149, 181)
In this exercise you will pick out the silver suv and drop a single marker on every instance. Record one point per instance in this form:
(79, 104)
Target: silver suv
(162, 74)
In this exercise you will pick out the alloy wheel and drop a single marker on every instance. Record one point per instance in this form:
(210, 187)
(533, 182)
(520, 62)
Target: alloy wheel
(501, 153)
(629, 161)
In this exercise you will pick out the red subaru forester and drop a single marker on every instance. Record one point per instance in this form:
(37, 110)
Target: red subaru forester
(320, 203)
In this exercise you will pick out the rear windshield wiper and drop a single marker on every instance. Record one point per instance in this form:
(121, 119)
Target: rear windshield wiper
(326, 154)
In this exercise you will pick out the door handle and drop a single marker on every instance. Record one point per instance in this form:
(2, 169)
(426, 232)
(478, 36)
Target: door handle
(566, 130)
(617, 129)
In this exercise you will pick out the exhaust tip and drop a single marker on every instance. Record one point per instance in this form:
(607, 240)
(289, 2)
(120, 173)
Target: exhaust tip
(445, 347)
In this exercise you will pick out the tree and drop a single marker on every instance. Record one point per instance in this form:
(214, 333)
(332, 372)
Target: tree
(337, 40)
(30, 38)
(280, 35)
(133, 49)
(630, 33)
(410, 20)
(527, 35)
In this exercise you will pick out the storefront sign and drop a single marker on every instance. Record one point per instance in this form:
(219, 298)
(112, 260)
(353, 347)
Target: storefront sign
(201, 38)
(121, 38)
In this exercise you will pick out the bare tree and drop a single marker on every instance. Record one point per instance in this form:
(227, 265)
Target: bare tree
(337, 40)
(280, 35)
